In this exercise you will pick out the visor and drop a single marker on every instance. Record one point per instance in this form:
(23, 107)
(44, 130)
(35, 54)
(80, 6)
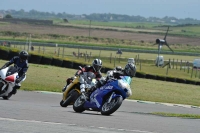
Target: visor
(97, 68)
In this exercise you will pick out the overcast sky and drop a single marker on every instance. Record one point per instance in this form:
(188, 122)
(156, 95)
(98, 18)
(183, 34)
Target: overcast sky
(145, 8)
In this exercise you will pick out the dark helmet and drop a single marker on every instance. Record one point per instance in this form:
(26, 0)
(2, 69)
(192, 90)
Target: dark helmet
(130, 69)
(97, 64)
(23, 55)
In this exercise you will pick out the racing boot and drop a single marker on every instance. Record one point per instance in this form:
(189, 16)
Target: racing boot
(17, 86)
(85, 96)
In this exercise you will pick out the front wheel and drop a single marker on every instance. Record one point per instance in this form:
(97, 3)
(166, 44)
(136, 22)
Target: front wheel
(7, 97)
(72, 96)
(78, 105)
(109, 108)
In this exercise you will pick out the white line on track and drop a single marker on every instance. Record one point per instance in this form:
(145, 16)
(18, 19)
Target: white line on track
(55, 123)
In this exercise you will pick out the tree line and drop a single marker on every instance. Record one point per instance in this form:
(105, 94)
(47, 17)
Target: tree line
(105, 17)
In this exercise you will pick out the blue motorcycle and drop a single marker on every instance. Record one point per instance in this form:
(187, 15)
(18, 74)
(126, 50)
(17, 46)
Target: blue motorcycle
(106, 99)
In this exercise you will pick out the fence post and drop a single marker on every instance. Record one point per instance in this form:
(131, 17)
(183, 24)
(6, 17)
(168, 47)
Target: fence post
(63, 52)
(192, 73)
(173, 63)
(114, 61)
(184, 66)
(78, 53)
(110, 57)
(43, 49)
(176, 63)
(188, 66)
(89, 56)
(140, 65)
(136, 60)
(167, 69)
(181, 65)
(85, 57)
(58, 52)
(169, 63)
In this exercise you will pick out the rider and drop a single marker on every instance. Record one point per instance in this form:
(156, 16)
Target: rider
(129, 70)
(95, 68)
(21, 62)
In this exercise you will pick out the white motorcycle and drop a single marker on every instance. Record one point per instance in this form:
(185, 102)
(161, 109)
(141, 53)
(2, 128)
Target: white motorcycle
(8, 76)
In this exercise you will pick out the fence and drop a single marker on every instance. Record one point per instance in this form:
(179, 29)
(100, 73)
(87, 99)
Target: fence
(113, 59)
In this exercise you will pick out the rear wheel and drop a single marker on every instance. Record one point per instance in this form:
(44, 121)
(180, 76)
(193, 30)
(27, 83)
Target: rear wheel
(109, 108)
(78, 105)
(71, 97)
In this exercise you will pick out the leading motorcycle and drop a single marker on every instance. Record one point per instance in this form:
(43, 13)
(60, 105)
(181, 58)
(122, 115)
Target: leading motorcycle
(106, 99)
(8, 76)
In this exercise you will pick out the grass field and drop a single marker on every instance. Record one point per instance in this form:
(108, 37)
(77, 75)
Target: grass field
(192, 31)
(147, 66)
(50, 78)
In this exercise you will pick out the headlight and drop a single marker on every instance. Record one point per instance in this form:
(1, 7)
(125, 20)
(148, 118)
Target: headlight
(125, 86)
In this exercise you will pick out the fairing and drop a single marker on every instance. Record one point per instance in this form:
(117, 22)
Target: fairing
(97, 97)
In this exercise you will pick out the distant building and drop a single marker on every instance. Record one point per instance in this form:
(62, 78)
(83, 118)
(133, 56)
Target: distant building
(173, 21)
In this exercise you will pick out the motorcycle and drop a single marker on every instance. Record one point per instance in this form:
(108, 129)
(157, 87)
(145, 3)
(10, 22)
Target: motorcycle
(8, 76)
(72, 91)
(107, 98)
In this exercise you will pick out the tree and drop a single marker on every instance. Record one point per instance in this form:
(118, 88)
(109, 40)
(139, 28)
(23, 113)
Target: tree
(8, 16)
(65, 20)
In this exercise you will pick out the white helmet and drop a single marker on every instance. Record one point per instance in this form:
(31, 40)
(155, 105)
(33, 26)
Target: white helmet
(97, 64)
(130, 69)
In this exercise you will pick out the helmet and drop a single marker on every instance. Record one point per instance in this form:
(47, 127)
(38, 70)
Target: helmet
(130, 69)
(97, 64)
(23, 55)
(119, 68)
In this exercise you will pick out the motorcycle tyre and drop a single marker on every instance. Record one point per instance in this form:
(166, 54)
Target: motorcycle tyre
(7, 97)
(79, 108)
(114, 108)
(72, 96)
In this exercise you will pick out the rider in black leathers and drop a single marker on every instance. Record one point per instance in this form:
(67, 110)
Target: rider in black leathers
(21, 62)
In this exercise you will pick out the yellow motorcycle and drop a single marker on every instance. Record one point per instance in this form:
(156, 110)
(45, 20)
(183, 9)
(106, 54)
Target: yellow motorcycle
(72, 91)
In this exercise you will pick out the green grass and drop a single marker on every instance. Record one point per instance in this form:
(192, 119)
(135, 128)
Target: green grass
(50, 78)
(191, 31)
(115, 24)
(147, 65)
(191, 116)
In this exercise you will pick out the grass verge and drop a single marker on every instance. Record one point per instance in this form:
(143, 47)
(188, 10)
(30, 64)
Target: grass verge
(51, 78)
(191, 116)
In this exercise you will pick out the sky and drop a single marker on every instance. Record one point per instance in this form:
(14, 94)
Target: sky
(146, 8)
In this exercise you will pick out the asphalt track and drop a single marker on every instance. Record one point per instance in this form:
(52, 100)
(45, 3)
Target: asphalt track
(36, 112)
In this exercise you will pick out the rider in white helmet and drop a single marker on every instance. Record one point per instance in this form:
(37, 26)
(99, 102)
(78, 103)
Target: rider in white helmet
(95, 68)
(129, 70)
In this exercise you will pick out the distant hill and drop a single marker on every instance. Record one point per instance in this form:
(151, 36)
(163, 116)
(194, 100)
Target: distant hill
(106, 17)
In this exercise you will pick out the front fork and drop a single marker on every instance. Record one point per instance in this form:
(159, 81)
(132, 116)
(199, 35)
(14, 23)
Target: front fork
(111, 97)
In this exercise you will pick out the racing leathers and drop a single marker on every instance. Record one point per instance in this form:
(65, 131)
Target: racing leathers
(22, 67)
(84, 69)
